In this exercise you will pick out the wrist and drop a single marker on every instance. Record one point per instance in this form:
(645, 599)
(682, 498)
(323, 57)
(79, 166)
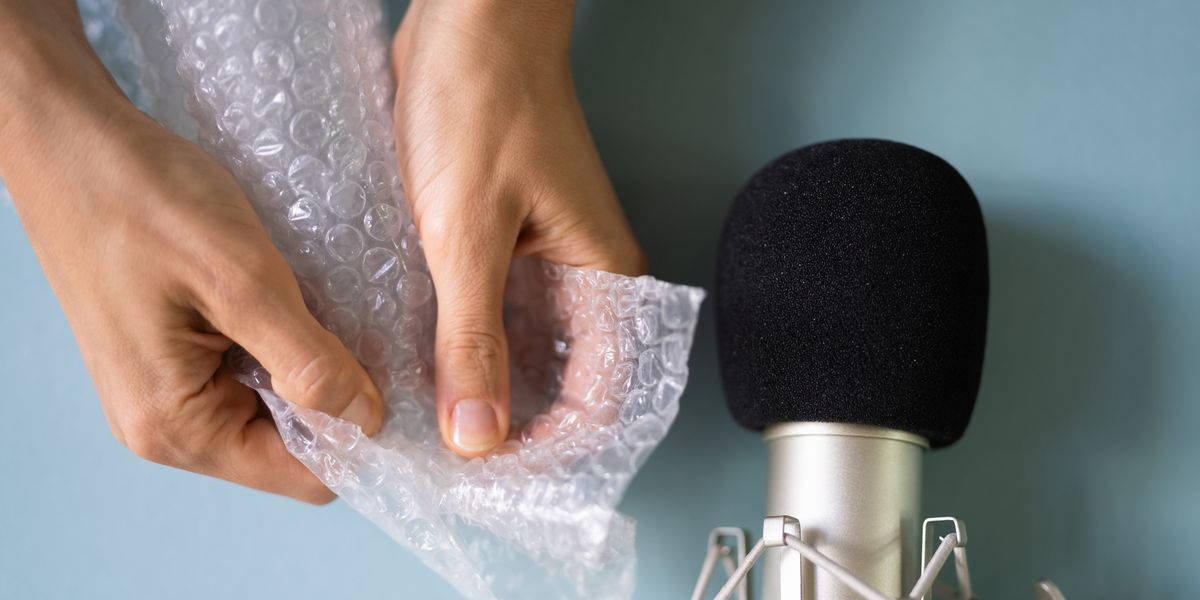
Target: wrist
(60, 136)
(48, 67)
(38, 40)
(56, 96)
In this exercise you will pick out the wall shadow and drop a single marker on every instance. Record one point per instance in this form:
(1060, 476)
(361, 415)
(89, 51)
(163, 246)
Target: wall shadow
(686, 103)
(1068, 401)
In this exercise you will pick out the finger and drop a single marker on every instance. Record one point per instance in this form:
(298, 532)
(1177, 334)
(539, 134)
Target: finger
(263, 312)
(469, 256)
(263, 462)
(253, 454)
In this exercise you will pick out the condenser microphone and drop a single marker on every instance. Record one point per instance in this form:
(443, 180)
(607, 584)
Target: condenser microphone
(852, 291)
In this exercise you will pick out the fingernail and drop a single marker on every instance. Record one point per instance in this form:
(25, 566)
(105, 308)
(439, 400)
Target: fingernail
(473, 426)
(359, 411)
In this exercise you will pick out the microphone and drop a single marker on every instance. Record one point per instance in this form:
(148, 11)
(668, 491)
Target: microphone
(852, 293)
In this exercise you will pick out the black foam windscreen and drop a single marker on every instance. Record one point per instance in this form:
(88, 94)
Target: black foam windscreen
(852, 287)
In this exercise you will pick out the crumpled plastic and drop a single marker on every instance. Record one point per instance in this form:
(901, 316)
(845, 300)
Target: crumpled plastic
(294, 98)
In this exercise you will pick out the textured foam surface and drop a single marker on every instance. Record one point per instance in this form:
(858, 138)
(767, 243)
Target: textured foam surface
(852, 287)
(294, 98)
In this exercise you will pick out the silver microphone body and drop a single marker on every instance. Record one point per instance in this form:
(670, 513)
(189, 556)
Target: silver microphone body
(856, 491)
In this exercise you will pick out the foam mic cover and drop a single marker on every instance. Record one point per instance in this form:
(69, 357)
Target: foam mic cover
(852, 287)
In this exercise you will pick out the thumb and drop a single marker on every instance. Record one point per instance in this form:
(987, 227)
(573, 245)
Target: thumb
(469, 266)
(308, 364)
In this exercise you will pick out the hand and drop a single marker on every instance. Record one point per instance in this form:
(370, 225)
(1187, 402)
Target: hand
(497, 162)
(161, 265)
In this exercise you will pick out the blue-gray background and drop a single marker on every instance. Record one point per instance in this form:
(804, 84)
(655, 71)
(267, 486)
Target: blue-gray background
(1077, 123)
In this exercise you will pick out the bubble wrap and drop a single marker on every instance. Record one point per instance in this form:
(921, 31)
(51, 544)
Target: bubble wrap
(294, 98)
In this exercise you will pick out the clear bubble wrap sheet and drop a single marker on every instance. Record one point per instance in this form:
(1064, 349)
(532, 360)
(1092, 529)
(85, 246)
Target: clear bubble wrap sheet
(294, 97)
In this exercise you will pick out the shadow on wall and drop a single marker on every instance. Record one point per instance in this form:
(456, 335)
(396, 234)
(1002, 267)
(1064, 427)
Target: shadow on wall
(1047, 476)
(685, 103)
(666, 87)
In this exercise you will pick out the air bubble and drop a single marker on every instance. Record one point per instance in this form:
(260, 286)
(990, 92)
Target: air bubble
(409, 327)
(347, 199)
(380, 178)
(235, 122)
(311, 85)
(309, 129)
(381, 265)
(275, 16)
(268, 146)
(312, 39)
(373, 348)
(347, 153)
(379, 307)
(343, 284)
(347, 110)
(343, 323)
(383, 222)
(344, 243)
(231, 30)
(414, 289)
(308, 259)
(271, 104)
(305, 217)
(273, 60)
(309, 176)
(677, 308)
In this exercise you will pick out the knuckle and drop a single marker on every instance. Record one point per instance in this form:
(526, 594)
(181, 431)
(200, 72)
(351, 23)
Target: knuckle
(166, 441)
(319, 378)
(473, 350)
(191, 449)
(147, 448)
(146, 441)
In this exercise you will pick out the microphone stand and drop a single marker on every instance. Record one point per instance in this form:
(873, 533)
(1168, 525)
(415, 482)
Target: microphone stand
(783, 534)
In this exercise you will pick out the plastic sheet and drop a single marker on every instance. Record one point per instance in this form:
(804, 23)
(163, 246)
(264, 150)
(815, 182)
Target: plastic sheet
(294, 98)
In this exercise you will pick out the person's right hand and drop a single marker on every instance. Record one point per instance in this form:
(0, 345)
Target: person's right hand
(161, 265)
(497, 162)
